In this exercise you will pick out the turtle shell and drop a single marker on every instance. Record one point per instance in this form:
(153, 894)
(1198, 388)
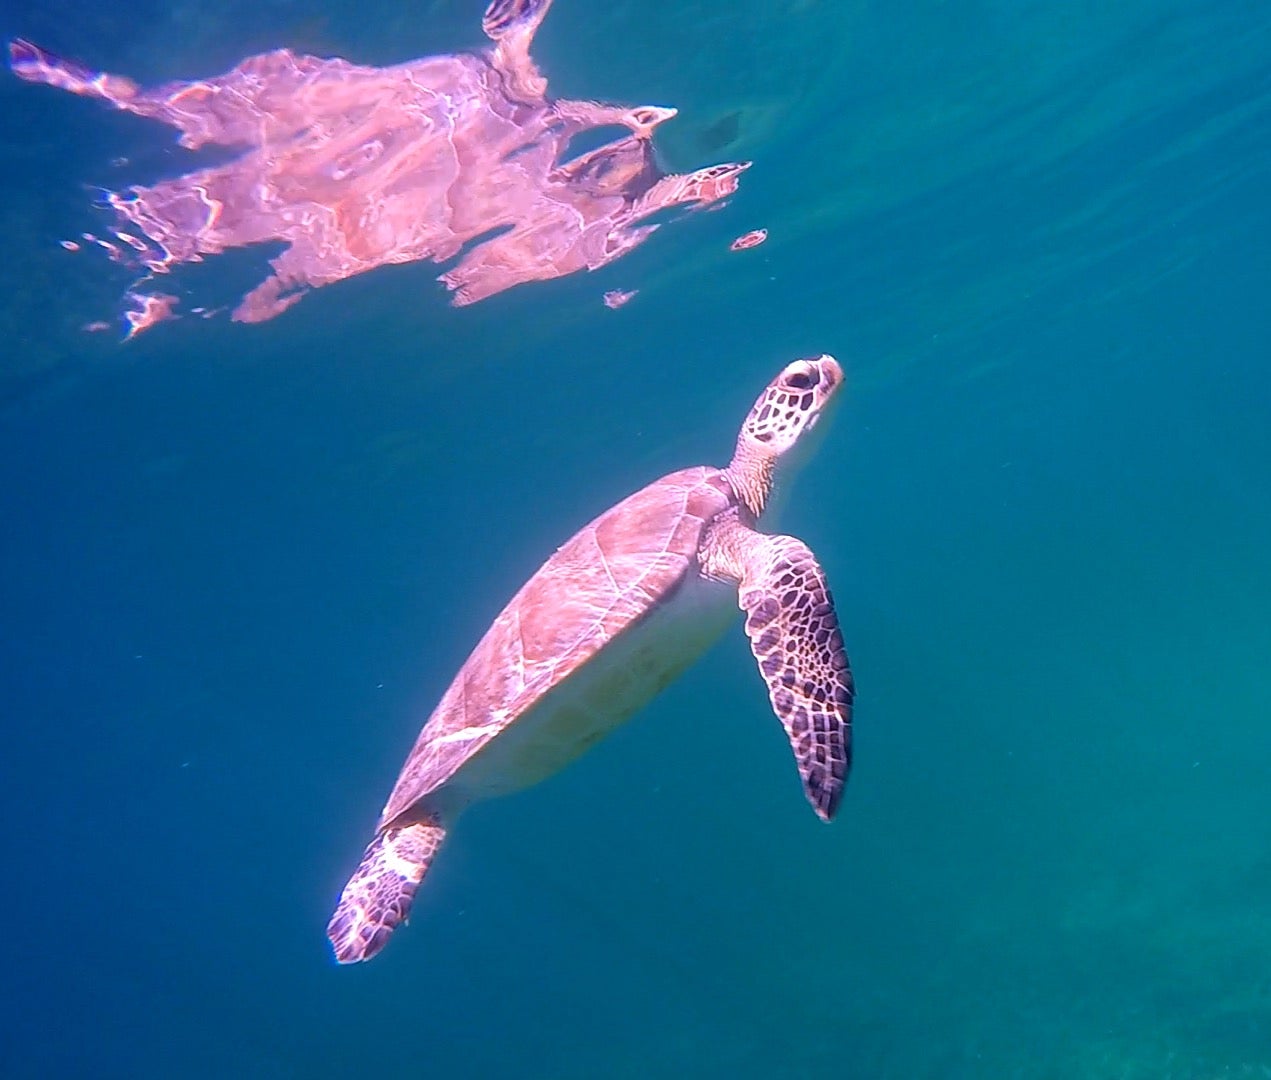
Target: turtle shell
(603, 581)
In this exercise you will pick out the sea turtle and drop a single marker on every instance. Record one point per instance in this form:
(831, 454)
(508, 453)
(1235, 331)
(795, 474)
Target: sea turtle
(629, 602)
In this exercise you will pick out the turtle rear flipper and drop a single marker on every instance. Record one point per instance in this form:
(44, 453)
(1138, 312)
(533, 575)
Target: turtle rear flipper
(379, 895)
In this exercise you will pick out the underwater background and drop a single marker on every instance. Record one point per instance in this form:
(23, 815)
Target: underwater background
(239, 565)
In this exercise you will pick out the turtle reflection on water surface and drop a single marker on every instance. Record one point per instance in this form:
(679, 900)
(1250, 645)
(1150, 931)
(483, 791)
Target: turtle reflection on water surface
(462, 157)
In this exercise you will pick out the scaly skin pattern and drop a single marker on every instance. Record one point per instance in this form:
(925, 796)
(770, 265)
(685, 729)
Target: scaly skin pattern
(378, 897)
(794, 634)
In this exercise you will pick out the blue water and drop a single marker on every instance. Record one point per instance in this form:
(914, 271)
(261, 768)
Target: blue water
(238, 566)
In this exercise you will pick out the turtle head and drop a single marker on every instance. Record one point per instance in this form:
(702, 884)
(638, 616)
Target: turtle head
(775, 438)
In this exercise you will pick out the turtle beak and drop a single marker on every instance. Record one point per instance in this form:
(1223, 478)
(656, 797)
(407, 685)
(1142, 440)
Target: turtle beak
(830, 371)
(820, 373)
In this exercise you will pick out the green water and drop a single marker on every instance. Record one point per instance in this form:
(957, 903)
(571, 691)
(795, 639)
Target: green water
(238, 566)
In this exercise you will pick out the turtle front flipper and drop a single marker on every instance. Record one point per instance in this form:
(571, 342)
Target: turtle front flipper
(379, 895)
(794, 634)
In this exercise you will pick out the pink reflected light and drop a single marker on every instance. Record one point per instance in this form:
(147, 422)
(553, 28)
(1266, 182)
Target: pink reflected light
(444, 158)
(615, 298)
(749, 240)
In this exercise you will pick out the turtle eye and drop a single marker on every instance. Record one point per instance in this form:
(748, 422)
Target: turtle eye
(802, 380)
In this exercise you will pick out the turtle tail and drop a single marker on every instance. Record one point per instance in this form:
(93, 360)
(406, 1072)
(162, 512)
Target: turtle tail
(379, 894)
